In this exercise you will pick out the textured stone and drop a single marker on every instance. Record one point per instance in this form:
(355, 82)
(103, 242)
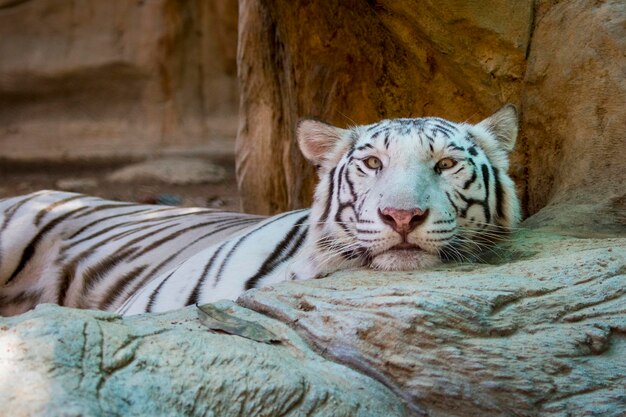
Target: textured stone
(60, 361)
(574, 113)
(361, 61)
(538, 329)
(101, 78)
(358, 62)
(543, 334)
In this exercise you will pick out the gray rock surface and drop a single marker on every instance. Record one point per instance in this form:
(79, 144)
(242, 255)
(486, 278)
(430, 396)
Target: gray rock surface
(58, 361)
(541, 334)
(539, 331)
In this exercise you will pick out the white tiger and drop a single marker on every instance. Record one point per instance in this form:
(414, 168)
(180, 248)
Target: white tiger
(399, 194)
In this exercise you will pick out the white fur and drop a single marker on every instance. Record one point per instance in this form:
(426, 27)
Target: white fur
(343, 229)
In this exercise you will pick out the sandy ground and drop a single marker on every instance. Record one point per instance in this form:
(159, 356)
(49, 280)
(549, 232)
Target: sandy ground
(89, 177)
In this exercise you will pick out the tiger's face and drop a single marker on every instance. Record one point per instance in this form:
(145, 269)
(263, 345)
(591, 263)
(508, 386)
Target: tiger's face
(405, 194)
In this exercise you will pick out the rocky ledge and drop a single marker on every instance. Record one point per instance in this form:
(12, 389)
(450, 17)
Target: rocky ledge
(538, 331)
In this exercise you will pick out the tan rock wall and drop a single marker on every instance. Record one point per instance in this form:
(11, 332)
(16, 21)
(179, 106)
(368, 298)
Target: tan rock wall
(353, 62)
(89, 77)
(562, 63)
(574, 107)
(350, 62)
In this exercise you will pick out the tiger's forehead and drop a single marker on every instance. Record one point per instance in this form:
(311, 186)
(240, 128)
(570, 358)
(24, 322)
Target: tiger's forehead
(403, 127)
(423, 132)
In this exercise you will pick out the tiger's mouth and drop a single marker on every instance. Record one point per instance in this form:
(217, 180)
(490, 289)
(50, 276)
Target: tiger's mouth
(404, 257)
(405, 246)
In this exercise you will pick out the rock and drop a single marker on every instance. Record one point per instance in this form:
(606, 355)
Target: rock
(538, 332)
(178, 171)
(76, 184)
(60, 361)
(98, 79)
(358, 62)
(540, 335)
(574, 113)
(215, 202)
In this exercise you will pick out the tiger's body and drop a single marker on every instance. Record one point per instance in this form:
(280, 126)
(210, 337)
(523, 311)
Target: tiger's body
(396, 195)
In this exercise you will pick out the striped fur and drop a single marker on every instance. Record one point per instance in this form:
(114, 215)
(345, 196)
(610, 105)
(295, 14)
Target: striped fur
(87, 252)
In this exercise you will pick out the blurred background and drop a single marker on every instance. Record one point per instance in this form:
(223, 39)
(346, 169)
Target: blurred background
(88, 89)
(195, 102)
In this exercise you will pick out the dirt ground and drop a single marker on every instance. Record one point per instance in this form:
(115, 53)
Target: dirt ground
(89, 177)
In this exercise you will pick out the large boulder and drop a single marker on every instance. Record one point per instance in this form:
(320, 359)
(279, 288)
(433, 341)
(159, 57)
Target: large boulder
(100, 78)
(542, 334)
(63, 362)
(538, 332)
(574, 114)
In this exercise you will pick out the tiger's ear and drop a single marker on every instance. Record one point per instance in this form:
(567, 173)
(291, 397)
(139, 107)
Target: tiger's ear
(318, 140)
(503, 124)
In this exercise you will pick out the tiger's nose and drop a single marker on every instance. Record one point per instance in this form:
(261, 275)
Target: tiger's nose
(403, 221)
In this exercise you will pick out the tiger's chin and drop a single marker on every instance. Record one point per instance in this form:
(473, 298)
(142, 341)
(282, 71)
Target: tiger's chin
(404, 260)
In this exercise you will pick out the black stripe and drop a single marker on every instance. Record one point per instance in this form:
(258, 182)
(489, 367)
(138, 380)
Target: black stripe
(156, 269)
(235, 246)
(350, 184)
(456, 209)
(68, 273)
(445, 132)
(359, 207)
(100, 220)
(277, 256)
(30, 249)
(28, 298)
(152, 273)
(366, 146)
(340, 182)
(10, 212)
(351, 254)
(455, 147)
(195, 293)
(172, 221)
(485, 171)
(329, 198)
(446, 124)
(54, 205)
(470, 181)
(156, 221)
(443, 239)
(227, 225)
(121, 283)
(107, 207)
(499, 195)
(156, 292)
(297, 224)
(441, 231)
(95, 274)
(297, 245)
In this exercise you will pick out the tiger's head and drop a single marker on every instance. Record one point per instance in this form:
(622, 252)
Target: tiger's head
(405, 194)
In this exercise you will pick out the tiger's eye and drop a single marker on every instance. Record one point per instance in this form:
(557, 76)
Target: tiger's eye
(373, 163)
(446, 163)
